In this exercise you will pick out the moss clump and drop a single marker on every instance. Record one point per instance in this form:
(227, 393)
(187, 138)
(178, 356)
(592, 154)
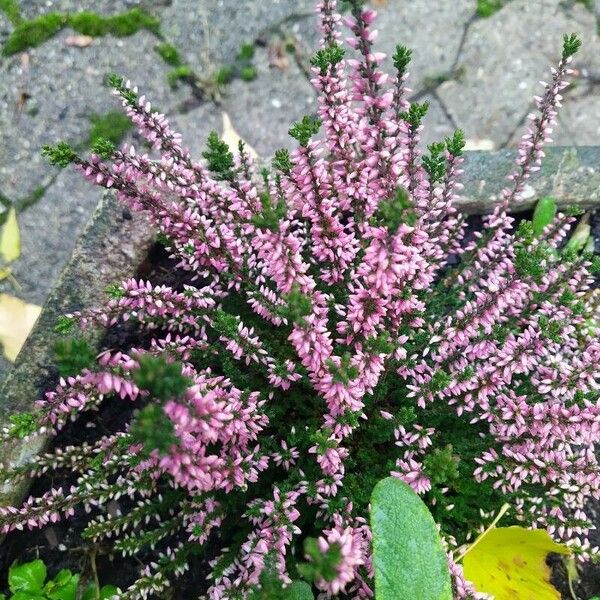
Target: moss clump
(111, 126)
(12, 10)
(176, 75)
(32, 33)
(246, 52)
(169, 54)
(224, 75)
(28, 34)
(486, 8)
(242, 67)
(121, 25)
(248, 73)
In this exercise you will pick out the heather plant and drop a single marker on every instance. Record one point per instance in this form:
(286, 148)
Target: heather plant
(324, 341)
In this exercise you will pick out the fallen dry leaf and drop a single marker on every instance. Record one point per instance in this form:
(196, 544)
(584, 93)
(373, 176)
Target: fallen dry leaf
(79, 41)
(24, 95)
(278, 57)
(479, 144)
(10, 238)
(17, 318)
(379, 2)
(231, 137)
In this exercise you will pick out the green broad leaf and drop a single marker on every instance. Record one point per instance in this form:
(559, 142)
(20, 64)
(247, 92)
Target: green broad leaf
(28, 577)
(22, 595)
(63, 586)
(299, 590)
(544, 213)
(580, 236)
(408, 556)
(108, 592)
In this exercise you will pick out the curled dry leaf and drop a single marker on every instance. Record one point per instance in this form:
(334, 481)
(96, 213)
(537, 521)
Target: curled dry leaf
(278, 57)
(10, 238)
(231, 137)
(17, 318)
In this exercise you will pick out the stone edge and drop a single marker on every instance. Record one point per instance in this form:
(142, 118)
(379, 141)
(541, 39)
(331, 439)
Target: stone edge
(111, 247)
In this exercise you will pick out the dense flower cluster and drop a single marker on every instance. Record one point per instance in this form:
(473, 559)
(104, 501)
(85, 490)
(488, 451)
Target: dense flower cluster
(328, 343)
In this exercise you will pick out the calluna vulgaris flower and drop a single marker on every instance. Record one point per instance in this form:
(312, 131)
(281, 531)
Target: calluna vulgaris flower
(327, 342)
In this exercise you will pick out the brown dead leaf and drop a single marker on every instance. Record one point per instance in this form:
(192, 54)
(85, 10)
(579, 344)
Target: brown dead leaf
(278, 57)
(380, 3)
(17, 318)
(79, 41)
(24, 95)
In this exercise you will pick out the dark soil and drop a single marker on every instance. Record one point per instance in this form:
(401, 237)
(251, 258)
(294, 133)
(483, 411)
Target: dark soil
(60, 545)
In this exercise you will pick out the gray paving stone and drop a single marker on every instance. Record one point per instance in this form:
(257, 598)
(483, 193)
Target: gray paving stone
(48, 231)
(579, 122)
(503, 59)
(195, 125)
(436, 124)
(65, 87)
(433, 30)
(34, 8)
(263, 110)
(219, 27)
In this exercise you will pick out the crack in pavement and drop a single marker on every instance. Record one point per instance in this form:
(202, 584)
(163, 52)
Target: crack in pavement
(32, 198)
(445, 110)
(463, 40)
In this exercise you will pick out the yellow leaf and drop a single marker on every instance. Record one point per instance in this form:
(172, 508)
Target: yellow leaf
(231, 137)
(10, 237)
(16, 321)
(510, 563)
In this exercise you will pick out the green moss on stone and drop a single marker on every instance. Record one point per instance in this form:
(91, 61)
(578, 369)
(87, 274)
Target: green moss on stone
(176, 75)
(224, 75)
(12, 10)
(248, 73)
(32, 33)
(169, 54)
(486, 8)
(246, 52)
(28, 34)
(121, 25)
(111, 126)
